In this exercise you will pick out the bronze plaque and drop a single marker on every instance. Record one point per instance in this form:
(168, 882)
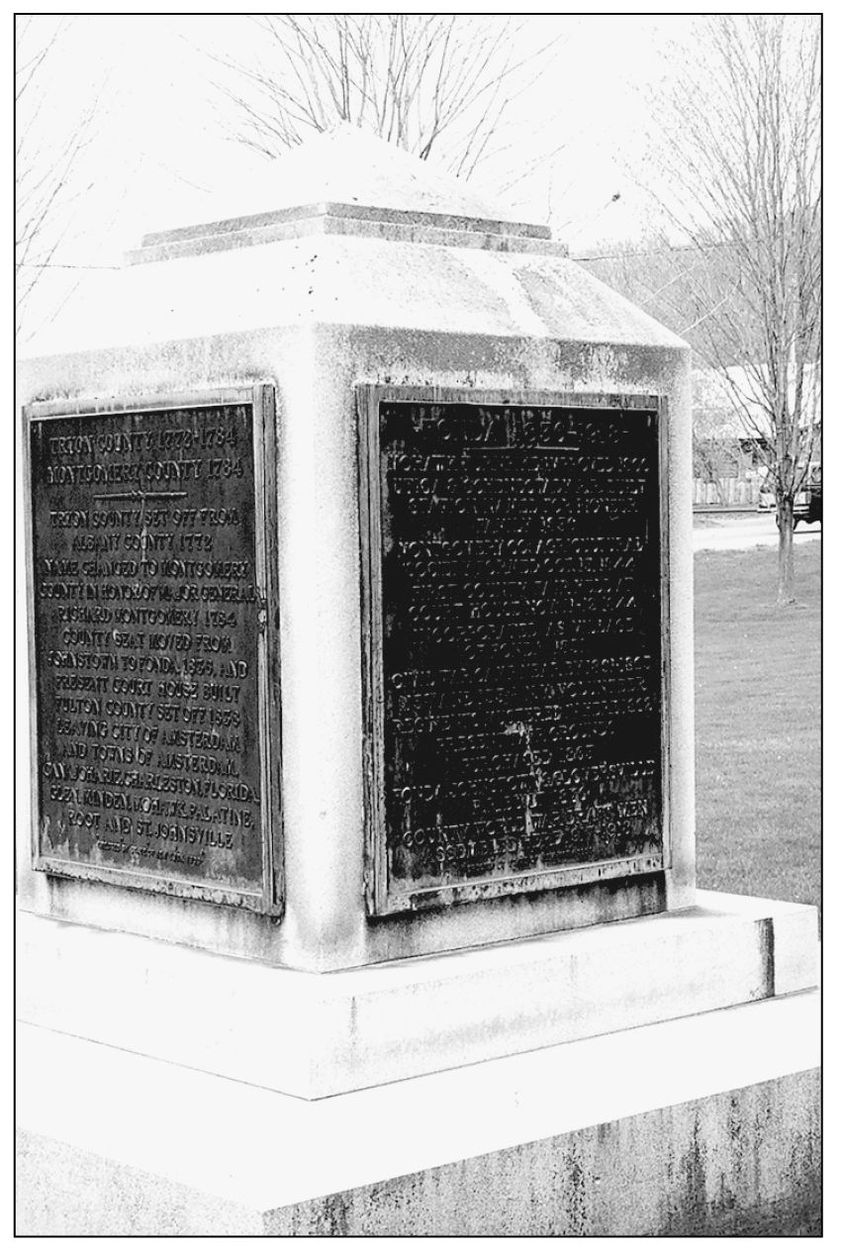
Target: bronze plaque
(153, 618)
(513, 593)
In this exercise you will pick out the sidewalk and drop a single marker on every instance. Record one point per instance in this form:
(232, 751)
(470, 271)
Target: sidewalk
(739, 532)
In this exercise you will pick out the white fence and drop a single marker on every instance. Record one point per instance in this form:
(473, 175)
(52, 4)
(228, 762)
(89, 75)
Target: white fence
(729, 491)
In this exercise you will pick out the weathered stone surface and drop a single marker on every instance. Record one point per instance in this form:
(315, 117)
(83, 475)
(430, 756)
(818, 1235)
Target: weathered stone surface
(743, 1164)
(616, 1135)
(316, 316)
(352, 172)
(321, 635)
(62, 1192)
(388, 1022)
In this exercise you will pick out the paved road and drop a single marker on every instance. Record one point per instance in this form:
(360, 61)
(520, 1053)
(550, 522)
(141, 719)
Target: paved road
(743, 530)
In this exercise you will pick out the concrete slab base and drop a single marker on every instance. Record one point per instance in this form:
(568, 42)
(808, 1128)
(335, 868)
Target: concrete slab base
(314, 1035)
(705, 1125)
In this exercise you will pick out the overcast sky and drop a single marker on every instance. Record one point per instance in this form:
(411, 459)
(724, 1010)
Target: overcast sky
(162, 125)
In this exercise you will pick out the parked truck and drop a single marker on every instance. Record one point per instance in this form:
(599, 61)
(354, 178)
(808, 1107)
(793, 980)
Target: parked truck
(808, 503)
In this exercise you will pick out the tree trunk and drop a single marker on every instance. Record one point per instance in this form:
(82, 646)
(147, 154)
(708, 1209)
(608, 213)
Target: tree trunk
(785, 519)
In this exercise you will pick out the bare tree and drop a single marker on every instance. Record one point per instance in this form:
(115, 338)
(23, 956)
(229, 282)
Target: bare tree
(738, 274)
(421, 81)
(742, 156)
(48, 193)
(669, 281)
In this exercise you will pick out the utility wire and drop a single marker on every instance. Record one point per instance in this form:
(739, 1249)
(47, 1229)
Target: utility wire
(668, 247)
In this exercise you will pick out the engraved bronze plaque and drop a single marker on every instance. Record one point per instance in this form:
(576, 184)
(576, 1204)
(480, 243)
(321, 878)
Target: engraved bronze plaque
(514, 601)
(153, 620)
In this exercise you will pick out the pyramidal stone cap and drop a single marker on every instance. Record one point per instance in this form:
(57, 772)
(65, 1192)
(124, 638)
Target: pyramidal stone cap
(354, 231)
(347, 181)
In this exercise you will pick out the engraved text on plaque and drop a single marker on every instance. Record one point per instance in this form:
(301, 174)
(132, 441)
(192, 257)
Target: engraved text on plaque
(149, 583)
(514, 699)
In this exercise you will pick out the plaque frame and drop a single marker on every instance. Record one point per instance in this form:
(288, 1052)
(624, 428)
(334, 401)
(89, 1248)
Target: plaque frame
(381, 898)
(270, 899)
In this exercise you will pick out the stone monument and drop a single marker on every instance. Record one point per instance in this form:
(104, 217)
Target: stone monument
(359, 601)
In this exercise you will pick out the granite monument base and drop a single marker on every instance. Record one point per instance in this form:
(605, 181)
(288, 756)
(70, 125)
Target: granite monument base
(313, 1035)
(703, 1125)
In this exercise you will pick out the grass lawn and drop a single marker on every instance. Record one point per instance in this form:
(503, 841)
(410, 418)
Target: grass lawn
(758, 726)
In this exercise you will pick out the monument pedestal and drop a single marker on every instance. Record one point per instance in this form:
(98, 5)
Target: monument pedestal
(312, 1035)
(704, 1125)
(358, 887)
(651, 1076)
